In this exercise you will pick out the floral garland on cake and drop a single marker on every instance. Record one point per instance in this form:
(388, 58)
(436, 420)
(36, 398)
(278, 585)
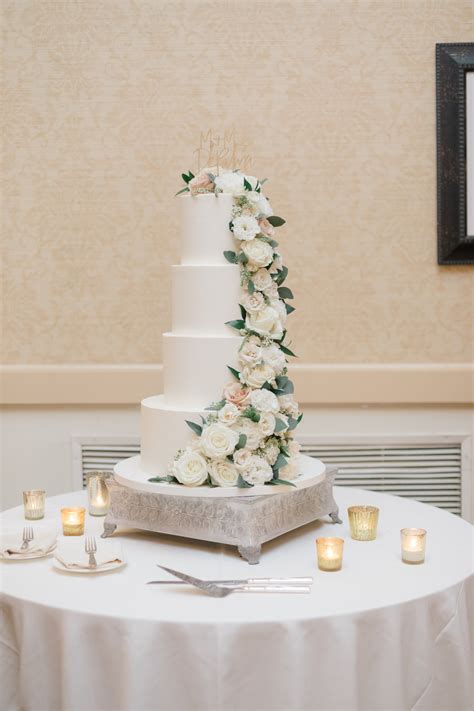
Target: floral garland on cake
(247, 439)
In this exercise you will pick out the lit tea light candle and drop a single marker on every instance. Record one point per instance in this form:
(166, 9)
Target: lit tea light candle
(98, 493)
(413, 545)
(73, 521)
(33, 501)
(329, 553)
(363, 522)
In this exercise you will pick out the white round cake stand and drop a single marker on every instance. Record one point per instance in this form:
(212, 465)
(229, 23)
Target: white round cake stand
(236, 517)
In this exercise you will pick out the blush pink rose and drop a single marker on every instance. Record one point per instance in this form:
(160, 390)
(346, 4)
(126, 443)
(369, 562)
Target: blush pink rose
(265, 227)
(199, 183)
(236, 393)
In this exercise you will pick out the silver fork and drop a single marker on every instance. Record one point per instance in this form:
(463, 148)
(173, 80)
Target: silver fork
(91, 548)
(28, 536)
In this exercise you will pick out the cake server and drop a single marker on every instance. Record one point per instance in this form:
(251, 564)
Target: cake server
(242, 581)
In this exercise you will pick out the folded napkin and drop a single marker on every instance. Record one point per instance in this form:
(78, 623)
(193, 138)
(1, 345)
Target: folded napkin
(72, 554)
(11, 541)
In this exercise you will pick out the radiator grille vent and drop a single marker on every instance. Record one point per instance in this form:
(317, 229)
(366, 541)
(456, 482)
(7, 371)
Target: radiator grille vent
(428, 473)
(105, 456)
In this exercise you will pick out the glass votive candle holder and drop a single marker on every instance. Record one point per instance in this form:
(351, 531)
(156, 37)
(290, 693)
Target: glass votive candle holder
(329, 552)
(33, 501)
(98, 492)
(72, 520)
(363, 522)
(413, 545)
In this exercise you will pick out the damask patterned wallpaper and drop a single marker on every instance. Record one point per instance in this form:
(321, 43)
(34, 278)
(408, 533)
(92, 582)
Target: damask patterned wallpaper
(104, 103)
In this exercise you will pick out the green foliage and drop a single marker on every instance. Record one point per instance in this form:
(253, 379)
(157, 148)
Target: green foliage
(251, 413)
(242, 441)
(216, 405)
(234, 372)
(160, 479)
(276, 221)
(250, 286)
(195, 427)
(289, 308)
(247, 185)
(230, 256)
(242, 484)
(287, 351)
(281, 276)
(183, 190)
(280, 425)
(238, 324)
(285, 293)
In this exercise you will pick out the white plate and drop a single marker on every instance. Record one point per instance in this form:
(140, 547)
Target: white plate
(28, 556)
(101, 569)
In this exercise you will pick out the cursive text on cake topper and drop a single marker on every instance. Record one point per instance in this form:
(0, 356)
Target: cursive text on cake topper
(222, 150)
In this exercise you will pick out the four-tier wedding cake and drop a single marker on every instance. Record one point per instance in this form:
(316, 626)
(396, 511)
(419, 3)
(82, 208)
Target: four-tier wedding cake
(227, 414)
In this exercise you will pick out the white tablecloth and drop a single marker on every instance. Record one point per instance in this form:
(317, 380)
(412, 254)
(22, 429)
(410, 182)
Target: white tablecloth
(379, 634)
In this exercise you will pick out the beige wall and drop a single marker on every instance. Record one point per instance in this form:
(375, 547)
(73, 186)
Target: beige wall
(105, 100)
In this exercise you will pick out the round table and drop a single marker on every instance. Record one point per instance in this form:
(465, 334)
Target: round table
(379, 634)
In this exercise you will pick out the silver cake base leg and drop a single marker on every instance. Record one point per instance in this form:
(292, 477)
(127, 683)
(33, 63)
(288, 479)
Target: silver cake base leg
(109, 528)
(335, 516)
(250, 553)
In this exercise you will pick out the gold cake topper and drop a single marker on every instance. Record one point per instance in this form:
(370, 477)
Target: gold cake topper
(222, 150)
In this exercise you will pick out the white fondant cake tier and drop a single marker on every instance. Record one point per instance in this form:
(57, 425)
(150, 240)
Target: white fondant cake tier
(163, 432)
(134, 473)
(205, 230)
(195, 368)
(204, 298)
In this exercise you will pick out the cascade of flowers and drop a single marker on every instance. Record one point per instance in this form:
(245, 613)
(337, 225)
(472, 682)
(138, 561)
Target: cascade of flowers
(247, 438)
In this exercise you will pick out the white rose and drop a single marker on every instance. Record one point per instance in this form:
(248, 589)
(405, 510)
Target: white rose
(294, 447)
(289, 405)
(280, 308)
(250, 353)
(228, 414)
(218, 440)
(264, 206)
(264, 401)
(257, 376)
(262, 279)
(242, 457)
(266, 321)
(245, 227)
(253, 302)
(290, 470)
(231, 183)
(252, 431)
(272, 291)
(190, 468)
(223, 472)
(266, 424)
(257, 471)
(271, 451)
(275, 357)
(258, 252)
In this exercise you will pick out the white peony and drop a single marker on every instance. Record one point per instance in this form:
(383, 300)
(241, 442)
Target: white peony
(190, 468)
(251, 351)
(223, 472)
(290, 470)
(266, 322)
(264, 206)
(218, 441)
(254, 197)
(288, 405)
(257, 376)
(231, 183)
(266, 424)
(253, 302)
(258, 252)
(275, 357)
(245, 227)
(264, 401)
(228, 414)
(242, 457)
(280, 308)
(257, 471)
(262, 279)
(271, 451)
(252, 431)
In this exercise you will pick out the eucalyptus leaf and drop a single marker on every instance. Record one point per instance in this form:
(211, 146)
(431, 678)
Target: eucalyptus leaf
(242, 258)
(183, 190)
(292, 423)
(285, 293)
(289, 308)
(280, 462)
(247, 185)
(216, 405)
(287, 351)
(186, 178)
(230, 256)
(234, 372)
(251, 413)
(280, 425)
(276, 221)
(238, 324)
(242, 441)
(195, 427)
(243, 312)
(250, 286)
(242, 484)
(159, 479)
(287, 483)
(281, 276)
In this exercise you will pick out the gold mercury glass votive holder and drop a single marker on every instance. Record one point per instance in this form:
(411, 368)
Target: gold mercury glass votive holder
(363, 522)
(98, 493)
(329, 552)
(72, 520)
(413, 545)
(33, 501)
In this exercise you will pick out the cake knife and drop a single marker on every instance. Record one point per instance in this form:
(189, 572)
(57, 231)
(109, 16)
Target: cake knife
(184, 579)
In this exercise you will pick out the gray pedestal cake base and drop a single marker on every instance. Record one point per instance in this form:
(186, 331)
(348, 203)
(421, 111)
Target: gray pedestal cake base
(246, 522)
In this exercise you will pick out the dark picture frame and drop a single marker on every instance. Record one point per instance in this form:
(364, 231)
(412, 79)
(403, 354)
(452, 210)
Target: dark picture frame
(453, 61)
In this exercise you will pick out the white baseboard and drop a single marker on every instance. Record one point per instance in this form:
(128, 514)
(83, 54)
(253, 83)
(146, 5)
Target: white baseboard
(390, 384)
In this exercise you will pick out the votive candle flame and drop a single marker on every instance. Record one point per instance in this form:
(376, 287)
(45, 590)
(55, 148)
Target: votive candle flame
(73, 521)
(413, 545)
(363, 522)
(33, 501)
(329, 552)
(98, 493)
